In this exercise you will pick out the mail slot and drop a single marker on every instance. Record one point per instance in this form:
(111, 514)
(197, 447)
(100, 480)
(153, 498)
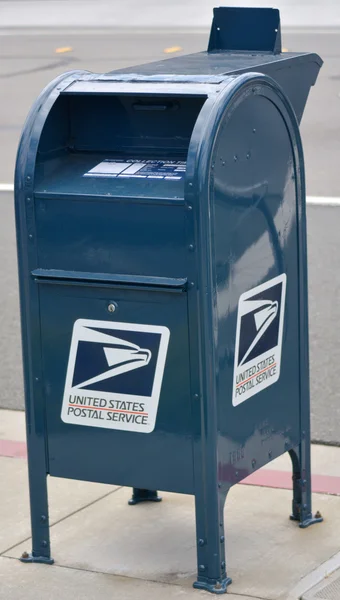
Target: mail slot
(162, 263)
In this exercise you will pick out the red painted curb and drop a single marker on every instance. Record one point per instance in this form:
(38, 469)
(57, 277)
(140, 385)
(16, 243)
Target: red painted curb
(11, 449)
(321, 484)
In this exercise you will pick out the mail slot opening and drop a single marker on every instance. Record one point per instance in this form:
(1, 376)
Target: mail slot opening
(106, 138)
(124, 125)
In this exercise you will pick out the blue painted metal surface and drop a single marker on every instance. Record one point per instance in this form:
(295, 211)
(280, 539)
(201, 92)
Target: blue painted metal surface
(176, 253)
(245, 29)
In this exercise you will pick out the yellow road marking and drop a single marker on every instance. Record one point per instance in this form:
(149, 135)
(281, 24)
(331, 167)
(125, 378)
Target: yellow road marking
(64, 49)
(172, 49)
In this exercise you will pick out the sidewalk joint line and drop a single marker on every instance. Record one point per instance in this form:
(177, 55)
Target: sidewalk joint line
(326, 443)
(247, 595)
(63, 519)
(61, 566)
(134, 578)
(311, 584)
(86, 506)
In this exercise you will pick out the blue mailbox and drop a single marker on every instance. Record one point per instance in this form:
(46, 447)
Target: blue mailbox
(162, 261)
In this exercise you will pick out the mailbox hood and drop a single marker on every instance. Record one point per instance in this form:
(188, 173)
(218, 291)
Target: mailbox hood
(241, 40)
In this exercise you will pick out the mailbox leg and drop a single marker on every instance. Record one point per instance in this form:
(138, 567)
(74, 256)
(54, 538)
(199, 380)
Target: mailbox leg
(302, 487)
(140, 495)
(41, 551)
(212, 575)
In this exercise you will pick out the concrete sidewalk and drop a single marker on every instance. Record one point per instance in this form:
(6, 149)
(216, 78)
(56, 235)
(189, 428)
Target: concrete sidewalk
(105, 549)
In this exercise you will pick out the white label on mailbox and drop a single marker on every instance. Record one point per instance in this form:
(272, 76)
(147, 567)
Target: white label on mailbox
(114, 375)
(140, 169)
(258, 344)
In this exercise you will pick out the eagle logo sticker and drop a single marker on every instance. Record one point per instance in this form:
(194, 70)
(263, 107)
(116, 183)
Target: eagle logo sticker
(114, 375)
(258, 344)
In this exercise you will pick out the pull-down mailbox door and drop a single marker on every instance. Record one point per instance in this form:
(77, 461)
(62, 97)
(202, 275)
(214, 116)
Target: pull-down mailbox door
(111, 377)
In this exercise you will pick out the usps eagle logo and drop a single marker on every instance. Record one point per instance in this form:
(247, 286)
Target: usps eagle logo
(263, 313)
(121, 356)
(115, 375)
(258, 344)
(121, 359)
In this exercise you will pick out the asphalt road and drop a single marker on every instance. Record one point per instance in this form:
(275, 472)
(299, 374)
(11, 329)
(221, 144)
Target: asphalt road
(28, 61)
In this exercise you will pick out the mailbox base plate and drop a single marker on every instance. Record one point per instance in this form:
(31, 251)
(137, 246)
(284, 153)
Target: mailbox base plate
(139, 495)
(37, 559)
(219, 587)
(306, 522)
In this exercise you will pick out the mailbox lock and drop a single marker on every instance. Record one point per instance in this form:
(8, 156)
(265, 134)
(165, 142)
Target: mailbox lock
(112, 307)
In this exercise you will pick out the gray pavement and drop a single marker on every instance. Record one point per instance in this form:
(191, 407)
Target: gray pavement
(324, 317)
(157, 543)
